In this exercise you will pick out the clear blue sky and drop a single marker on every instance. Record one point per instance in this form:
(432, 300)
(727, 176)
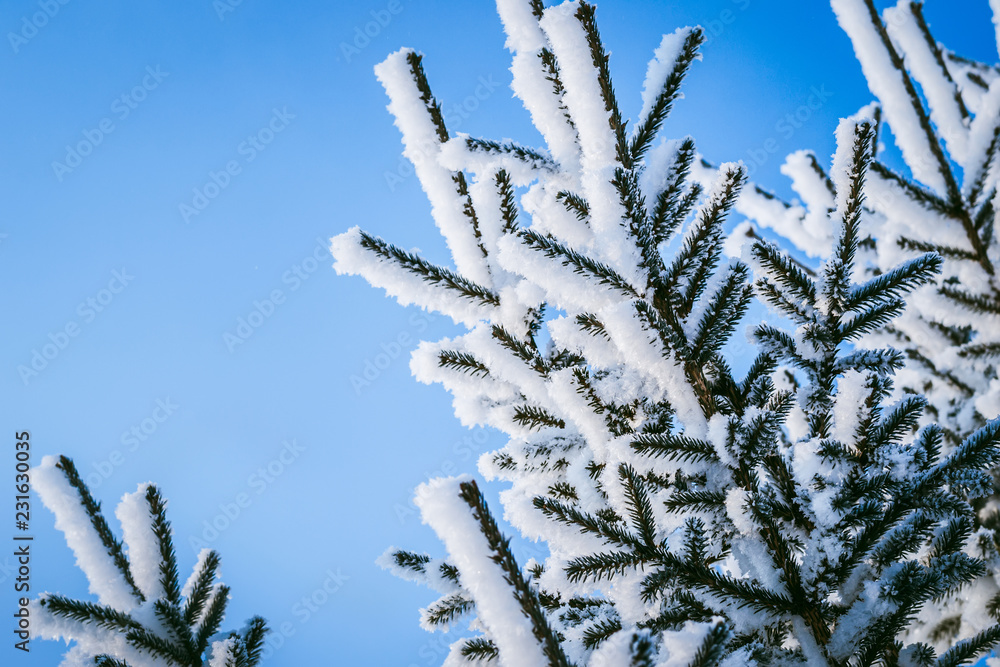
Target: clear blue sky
(281, 96)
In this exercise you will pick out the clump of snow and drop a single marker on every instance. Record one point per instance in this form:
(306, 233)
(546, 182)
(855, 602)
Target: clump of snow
(106, 581)
(451, 519)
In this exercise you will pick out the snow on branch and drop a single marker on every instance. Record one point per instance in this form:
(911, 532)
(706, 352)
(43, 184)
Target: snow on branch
(159, 623)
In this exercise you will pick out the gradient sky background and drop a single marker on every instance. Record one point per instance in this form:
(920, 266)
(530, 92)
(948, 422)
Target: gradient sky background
(344, 499)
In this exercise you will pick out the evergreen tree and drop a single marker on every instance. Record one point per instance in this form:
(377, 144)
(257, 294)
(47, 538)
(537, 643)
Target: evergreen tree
(794, 515)
(143, 615)
(943, 111)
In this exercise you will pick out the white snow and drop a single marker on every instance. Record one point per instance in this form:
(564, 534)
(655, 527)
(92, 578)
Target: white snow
(597, 141)
(422, 147)
(451, 519)
(940, 92)
(526, 40)
(659, 68)
(105, 580)
(408, 288)
(886, 82)
(143, 549)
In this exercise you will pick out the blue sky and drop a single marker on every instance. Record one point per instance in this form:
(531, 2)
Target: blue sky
(224, 143)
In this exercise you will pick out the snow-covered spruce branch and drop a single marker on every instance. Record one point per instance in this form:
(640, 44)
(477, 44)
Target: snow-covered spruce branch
(946, 205)
(143, 616)
(944, 114)
(795, 515)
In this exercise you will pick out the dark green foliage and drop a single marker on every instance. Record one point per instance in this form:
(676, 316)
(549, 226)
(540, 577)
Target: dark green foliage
(435, 275)
(464, 362)
(713, 648)
(480, 648)
(527, 155)
(448, 609)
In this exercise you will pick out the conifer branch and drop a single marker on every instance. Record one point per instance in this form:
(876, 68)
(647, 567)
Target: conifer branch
(535, 418)
(146, 642)
(712, 649)
(429, 272)
(917, 9)
(480, 648)
(411, 561)
(589, 323)
(651, 124)
(108, 661)
(93, 509)
(508, 207)
(692, 266)
(977, 303)
(87, 612)
(968, 649)
(943, 167)
(168, 558)
(524, 594)
(180, 632)
(433, 108)
(448, 609)
(529, 156)
(837, 272)
(668, 214)
(741, 592)
(601, 566)
(253, 640)
(639, 506)
(600, 632)
(781, 269)
(675, 448)
(526, 352)
(587, 523)
(581, 264)
(895, 283)
(198, 598)
(919, 195)
(724, 312)
(212, 618)
(575, 204)
(868, 321)
(685, 502)
(585, 14)
(641, 651)
(463, 362)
